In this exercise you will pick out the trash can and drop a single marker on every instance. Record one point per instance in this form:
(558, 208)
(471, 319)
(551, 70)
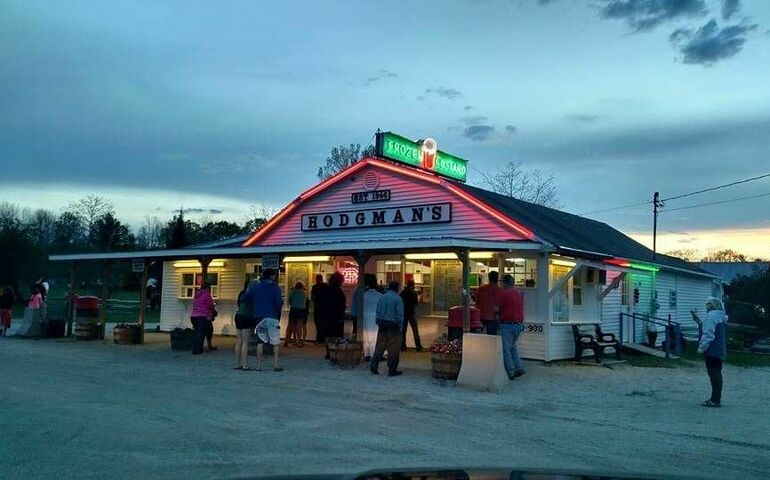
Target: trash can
(455, 322)
(86, 309)
(87, 325)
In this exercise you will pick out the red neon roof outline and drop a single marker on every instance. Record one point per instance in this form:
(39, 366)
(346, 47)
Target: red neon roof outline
(404, 170)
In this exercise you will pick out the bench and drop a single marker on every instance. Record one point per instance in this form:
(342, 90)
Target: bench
(591, 337)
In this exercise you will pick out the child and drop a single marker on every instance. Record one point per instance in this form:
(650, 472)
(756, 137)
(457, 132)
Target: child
(6, 304)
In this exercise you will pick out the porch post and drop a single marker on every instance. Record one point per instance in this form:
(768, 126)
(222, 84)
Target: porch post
(105, 291)
(71, 299)
(204, 261)
(543, 299)
(361, 257)
(142, 299)
(464, 258)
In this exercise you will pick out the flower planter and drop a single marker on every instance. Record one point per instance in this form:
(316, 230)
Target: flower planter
(126, 334)
(182, 339)
(346, 354)
(88, 331)
(446, 366)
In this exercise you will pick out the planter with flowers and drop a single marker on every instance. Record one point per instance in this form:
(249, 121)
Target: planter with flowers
(446, 359)
(345, 352)
(126, 334)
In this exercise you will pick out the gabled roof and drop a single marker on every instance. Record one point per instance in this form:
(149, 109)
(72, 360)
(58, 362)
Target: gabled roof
(572, 233)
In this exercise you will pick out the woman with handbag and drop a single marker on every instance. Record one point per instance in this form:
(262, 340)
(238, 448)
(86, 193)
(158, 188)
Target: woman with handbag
(245, 322)
(202, 310)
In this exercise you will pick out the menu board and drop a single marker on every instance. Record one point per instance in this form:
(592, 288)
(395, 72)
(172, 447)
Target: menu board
(447, 284)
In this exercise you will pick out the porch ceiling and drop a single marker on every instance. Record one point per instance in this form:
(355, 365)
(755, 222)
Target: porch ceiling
(340, 247)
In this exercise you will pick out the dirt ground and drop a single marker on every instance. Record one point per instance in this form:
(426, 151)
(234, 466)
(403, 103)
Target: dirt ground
(97, 410)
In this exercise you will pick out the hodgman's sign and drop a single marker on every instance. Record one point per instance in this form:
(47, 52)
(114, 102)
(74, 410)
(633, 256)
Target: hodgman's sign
(378, 217)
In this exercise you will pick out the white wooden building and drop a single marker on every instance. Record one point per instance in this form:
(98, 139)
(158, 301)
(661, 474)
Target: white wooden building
(404, 222)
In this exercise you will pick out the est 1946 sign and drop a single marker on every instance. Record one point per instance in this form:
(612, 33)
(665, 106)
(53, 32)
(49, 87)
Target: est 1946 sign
(378, 217)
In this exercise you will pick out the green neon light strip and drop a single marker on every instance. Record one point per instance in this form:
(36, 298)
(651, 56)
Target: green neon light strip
(640, 266)
(400, 149)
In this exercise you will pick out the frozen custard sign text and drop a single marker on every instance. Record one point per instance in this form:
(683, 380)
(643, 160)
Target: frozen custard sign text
(378, 217)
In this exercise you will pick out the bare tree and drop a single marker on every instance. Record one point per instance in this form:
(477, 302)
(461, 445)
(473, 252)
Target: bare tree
(90, 209)
(342, 157)
(724, 255)
(259, 214)
(686, 254)
(41, 225)
(150, 234)
(513, 181)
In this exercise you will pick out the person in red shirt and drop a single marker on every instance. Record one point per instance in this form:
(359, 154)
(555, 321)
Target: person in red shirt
(486, 299)
(510, 314)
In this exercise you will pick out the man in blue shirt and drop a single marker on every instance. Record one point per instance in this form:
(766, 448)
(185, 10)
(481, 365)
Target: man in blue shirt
(390, 319)
(265, 296)
(267, 302)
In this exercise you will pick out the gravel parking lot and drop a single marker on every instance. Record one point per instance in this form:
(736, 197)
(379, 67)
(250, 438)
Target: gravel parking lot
(96, 410)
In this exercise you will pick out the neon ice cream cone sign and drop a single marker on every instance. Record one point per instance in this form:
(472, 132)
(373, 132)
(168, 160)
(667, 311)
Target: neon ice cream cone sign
(428, 151)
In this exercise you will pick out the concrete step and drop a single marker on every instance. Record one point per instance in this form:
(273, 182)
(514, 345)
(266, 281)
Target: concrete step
(637, 347)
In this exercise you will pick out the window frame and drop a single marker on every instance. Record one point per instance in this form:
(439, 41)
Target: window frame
(191, 288)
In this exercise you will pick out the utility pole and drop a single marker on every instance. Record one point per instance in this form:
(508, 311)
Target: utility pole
(656, 204)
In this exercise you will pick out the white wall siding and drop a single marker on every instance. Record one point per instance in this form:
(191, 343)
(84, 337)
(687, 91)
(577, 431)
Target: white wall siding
(611, 306)
(175, 311)
(692, 292)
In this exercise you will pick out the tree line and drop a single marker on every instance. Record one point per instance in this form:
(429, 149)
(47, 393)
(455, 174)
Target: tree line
(90, 224)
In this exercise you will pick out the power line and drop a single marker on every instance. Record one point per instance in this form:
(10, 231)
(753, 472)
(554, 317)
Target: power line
(711, 189)
(676, 197)
(620, 207)
(717, 203)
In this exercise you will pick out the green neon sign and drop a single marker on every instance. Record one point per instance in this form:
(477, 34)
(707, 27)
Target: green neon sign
(425, 155)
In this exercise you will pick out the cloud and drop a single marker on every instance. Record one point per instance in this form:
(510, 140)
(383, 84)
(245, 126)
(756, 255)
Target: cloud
(473, 119)
(213, 211)
(510, 129)
(710, 43)
(479, 133)
(645, 15)
(381, 74)
(443, 92)
(582, 118)
(730, 8)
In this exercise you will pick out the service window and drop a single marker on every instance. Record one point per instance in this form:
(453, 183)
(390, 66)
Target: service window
(524, 271)
(561, 300)
(191, 283)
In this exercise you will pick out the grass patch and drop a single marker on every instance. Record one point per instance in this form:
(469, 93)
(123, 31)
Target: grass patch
(738, 359)
(648, 361)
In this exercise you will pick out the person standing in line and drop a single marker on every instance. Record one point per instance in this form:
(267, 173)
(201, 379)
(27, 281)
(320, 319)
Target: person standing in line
(411, 300)
(371, 297)
(510, 312)
(486, 299)
(317, 292)
(334, 307)
(6, 309)
(712, 343)
(244, 324)
(297, 314)
(267, 303)
(202, 310)
(390, 319)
